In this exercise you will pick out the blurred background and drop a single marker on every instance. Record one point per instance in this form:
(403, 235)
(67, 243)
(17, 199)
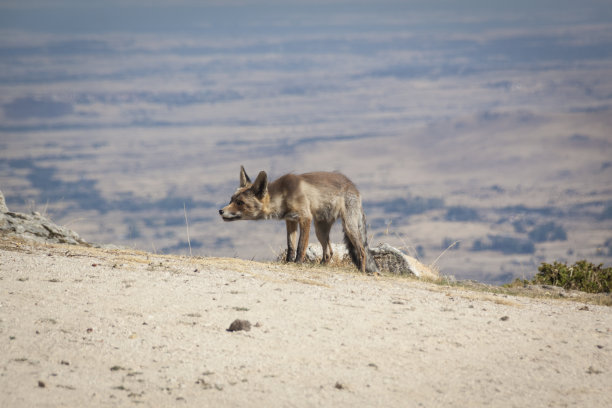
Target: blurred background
(480, 126)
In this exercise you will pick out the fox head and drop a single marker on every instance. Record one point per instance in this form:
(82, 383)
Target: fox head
(250, 199)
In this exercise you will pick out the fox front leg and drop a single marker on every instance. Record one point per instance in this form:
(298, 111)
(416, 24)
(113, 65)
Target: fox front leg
(292, 227)
(303, 241)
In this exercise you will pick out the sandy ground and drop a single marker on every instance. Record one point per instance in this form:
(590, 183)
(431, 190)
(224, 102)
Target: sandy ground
(92, 327)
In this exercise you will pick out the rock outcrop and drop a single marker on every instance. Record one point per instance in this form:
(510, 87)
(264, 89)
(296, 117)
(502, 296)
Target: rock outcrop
(392, 260)
(35, 227)
(388, 259)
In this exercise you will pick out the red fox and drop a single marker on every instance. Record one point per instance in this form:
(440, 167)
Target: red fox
(299, 199)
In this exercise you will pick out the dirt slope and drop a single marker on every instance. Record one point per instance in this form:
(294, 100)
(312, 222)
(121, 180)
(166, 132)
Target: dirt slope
(98, 327)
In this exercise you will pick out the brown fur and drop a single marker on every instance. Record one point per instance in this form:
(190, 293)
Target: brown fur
(321, 197)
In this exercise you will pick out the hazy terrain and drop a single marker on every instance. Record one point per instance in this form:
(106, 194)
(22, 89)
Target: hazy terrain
(485, 125)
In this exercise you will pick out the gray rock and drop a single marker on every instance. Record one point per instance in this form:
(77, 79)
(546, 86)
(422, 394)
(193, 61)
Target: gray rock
(314, 252)
(35, 227)
(388, 259)
(238, 325)
(392, 260)
(3, 207)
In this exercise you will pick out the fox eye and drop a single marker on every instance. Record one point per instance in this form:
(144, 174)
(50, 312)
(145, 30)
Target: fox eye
(239, 202)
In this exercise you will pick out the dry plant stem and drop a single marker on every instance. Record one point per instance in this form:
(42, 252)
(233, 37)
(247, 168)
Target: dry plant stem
(443, 252)
(187, 225)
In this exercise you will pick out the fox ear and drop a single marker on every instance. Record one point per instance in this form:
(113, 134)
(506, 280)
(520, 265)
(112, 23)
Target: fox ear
(260, 186)
(244, 178)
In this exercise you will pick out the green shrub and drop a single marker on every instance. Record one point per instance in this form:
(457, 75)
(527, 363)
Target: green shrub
(583, 276)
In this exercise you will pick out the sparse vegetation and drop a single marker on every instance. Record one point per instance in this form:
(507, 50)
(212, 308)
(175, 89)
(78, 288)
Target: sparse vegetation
(520, 225)
(410, 205)
(583, 276)
(606, 214)
(549, 231)
(505, 244)
(460, 213)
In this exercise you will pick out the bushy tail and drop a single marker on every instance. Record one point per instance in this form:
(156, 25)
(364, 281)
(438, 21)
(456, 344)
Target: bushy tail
(355, 236)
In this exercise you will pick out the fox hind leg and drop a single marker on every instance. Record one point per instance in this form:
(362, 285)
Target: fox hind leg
(322, 229)
(292, 227)
(303, 240)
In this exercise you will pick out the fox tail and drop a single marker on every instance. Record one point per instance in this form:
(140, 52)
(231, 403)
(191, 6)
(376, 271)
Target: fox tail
(356, 238)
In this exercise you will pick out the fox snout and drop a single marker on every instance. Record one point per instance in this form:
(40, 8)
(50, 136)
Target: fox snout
(228, 215)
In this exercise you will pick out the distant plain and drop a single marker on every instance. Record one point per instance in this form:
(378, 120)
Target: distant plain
(485, 130)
